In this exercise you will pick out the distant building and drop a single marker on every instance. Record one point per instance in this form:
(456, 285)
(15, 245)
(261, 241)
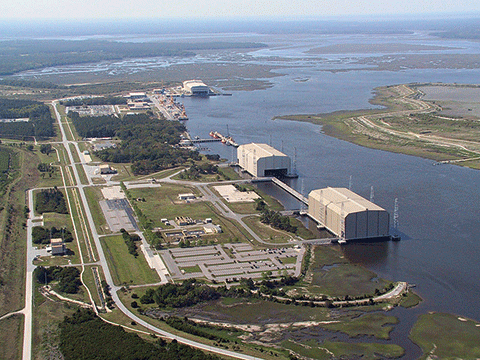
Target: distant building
(184, 221)
(188, 196)
(105, 169)
(263, 160)
(348, 215)
(196, 88)
(137, 96)
(58, 246)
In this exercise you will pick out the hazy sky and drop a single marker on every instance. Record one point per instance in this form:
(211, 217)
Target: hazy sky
(101, 9)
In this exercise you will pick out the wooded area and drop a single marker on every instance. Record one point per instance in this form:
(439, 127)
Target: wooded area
(84, 336)
(147, 142)
(21, 55)
(40, 122)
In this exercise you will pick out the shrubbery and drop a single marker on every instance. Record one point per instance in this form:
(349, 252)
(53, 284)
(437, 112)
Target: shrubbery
(51, 200)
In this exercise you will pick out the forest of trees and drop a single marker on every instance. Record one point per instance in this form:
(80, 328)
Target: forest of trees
(40, 124)
(44, 53)
(42, 235)
(84, 336)
(68, 277)
(50, 200)
(147, 142)
(277, 220)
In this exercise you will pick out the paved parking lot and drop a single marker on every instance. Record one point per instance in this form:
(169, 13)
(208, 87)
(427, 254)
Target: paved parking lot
(119, 215)
(229, 261)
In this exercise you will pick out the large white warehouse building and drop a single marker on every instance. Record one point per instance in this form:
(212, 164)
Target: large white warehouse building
(348, 215)
(196, 87)
(263, 160)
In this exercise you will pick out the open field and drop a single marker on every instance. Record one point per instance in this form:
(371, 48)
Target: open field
(266, 232)
(163, 202)
(94, 196)
(413, 126)
(446, 336)
(11, 334)
(125, 268)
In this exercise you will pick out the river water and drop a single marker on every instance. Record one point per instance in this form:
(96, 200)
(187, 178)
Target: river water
(439, 205)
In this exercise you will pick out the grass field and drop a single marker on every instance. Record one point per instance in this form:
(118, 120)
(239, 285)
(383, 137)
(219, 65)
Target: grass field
(163, 202)
(11, 331)
(94, 196)
(446, 336)
(266, 232)
(125, 268)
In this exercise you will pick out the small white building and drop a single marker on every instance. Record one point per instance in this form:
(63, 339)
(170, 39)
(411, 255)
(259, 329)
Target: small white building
(188, 196)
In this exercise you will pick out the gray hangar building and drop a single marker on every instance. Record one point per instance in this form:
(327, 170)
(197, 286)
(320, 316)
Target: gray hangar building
(263, 160)
(348, 215)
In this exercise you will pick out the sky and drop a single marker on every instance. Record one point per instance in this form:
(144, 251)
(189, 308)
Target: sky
(174, 9)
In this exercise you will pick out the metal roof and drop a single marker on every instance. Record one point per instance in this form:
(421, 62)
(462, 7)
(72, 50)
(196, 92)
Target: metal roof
(342, 200)
(262, 150)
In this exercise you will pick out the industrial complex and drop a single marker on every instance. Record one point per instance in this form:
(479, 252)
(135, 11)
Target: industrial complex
(263, 160)
(347, 214)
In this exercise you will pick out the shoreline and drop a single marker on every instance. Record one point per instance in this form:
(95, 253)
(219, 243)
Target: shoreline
(371, 128)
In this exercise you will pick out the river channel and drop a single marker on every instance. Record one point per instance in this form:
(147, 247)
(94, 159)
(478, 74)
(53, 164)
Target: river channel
(439, 205)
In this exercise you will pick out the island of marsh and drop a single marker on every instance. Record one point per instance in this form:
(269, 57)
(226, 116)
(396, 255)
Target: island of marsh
(434, 121)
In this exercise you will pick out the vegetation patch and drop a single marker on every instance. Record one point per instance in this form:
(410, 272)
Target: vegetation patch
(410, 299)
(39, 124)
(125, 268)
(68, 278)
(364, 350)
(373, 324)
(147, 142)
(50, 200)
(85, 336)
(41, 235)
(446, 336)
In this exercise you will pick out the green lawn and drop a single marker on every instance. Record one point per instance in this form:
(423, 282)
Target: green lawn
(11, 334)
(127, 269)
(94, 196)
(266, 232)
(446, 336)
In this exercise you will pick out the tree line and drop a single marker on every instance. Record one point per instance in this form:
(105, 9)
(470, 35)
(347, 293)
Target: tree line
(50, 200)
(40, 122)
(42, 235)
(44, 53)
(147, 142)
(84, 336)
(68, 277)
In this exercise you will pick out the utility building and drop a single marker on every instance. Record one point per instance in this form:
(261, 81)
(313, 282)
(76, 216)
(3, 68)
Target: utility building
(263, 160)
(196, 87)
(347, 214)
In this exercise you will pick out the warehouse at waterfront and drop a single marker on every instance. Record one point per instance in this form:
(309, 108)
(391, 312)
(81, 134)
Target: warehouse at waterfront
(263, 160)
(348, 215)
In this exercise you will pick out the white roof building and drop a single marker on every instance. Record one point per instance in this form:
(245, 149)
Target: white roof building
(347, 214)
(263, 160)
(196, 87)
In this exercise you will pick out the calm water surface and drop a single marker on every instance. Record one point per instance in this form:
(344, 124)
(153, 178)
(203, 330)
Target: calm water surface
(439, 205)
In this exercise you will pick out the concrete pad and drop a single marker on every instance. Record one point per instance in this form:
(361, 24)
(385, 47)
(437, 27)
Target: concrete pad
(231, 194)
